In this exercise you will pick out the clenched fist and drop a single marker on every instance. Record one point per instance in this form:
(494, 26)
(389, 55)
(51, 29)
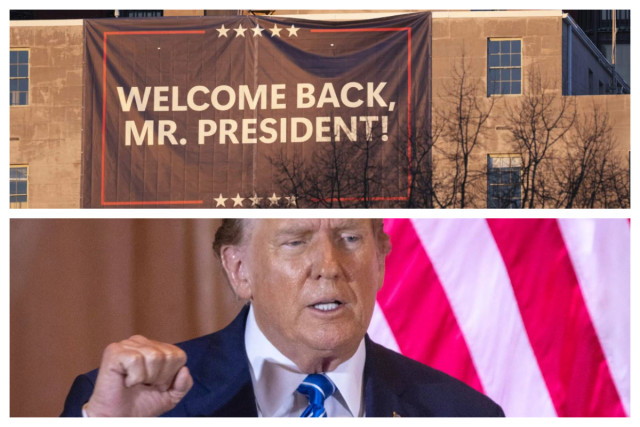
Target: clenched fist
(139, 377)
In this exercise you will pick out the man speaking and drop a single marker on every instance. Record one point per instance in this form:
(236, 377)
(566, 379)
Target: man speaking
(298, 348)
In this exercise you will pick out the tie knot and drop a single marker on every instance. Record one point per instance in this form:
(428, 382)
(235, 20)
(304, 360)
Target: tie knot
(317, 388)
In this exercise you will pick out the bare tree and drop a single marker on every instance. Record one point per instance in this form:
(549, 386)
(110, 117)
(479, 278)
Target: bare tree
(415, 164)
(563, 159)
(291, 175)
(618, 182)
(461, 118)
(538, 120)
(352, 174)
(589, 172)
(578, 168)
(343, 174)
(369, 165)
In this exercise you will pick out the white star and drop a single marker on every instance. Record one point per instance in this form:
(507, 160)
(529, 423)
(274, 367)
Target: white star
(237, 201)
(274, 199)
(240, 31)
(257, 31)
(293, 31)
(220, 201)
(255, 200)
(275, 31)
(222, 31)
(292, 200)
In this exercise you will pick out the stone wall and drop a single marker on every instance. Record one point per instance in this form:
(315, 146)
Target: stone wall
(46, 134)
(458, 41)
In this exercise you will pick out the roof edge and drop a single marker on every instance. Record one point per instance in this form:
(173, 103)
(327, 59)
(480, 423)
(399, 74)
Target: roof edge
(437, 14)
(46, 23)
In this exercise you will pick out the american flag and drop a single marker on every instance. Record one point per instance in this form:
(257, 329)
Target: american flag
(535, 313)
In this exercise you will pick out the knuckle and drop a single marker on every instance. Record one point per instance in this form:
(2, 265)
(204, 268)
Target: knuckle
(138, 338)
(132, 358)
(112, 350)
(179, 354)
(154, 355)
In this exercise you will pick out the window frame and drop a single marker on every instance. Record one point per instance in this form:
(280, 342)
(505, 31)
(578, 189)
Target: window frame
(488, 68)
(517, 196)
(19, 205)
(27, 78)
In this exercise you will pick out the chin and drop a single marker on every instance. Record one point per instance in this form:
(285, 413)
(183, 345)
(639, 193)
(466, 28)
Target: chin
(336, 342)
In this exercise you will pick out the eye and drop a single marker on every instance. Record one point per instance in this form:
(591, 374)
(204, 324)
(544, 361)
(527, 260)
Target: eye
(351, 238)
(294, 243)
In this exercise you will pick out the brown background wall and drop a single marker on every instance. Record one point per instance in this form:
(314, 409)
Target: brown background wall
(78, 284)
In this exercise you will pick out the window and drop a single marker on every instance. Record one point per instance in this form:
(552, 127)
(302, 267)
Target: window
(19, 77)
(504, 67)
(606, 15)
(140, 13)
(503, 181)
(600, 87)
(18, 187)
(590, 82)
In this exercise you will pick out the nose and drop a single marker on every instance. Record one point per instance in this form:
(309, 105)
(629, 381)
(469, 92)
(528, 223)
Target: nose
(327, 260)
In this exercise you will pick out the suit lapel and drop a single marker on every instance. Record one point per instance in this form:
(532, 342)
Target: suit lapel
(224, 402)
(385, 395)
(379, 399)
(221, 374)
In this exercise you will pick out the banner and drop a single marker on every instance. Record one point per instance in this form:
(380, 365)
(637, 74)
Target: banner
(248, 111)
(535, 313)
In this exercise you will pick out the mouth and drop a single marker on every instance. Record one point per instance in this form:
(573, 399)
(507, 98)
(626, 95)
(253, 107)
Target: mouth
(327, 306)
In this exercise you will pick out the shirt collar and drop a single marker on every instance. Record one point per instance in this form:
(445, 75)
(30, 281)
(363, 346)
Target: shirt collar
(275, 377)
(348, 379)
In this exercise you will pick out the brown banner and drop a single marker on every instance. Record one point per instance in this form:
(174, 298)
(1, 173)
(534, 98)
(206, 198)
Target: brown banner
(254, 112)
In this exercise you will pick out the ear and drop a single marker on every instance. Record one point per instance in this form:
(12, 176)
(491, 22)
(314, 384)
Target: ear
(233, 262)
(381, 269)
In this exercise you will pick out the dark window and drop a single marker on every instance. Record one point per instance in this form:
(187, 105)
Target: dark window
(140, 13)
(590, 81)
(504, 67)
(503, 182)
(19, 77)
(18, 187)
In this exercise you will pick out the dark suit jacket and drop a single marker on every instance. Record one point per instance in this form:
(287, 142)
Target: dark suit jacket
(222, 383)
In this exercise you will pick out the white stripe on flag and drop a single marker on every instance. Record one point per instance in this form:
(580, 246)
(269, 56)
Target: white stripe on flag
(379, 330)
(474, 277)
(600, 253)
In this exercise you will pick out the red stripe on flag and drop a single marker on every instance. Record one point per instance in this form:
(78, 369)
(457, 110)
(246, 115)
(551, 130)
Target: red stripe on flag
(556, 318)
(417, 309)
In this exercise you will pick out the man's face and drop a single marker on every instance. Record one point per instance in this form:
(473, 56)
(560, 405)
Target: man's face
(312, 283)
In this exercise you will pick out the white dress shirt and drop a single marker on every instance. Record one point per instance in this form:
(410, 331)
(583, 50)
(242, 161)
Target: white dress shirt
(275, 379)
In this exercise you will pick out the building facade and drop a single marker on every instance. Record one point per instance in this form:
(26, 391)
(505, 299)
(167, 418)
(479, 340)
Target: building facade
(504, 56)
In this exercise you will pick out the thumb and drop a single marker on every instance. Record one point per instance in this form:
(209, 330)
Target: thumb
(181, 384)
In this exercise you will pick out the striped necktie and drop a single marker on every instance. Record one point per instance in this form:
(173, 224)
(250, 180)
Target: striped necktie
(317, 388)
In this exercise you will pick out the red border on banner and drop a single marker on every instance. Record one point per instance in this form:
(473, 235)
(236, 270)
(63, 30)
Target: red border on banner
(104, 116)
(160, 32)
